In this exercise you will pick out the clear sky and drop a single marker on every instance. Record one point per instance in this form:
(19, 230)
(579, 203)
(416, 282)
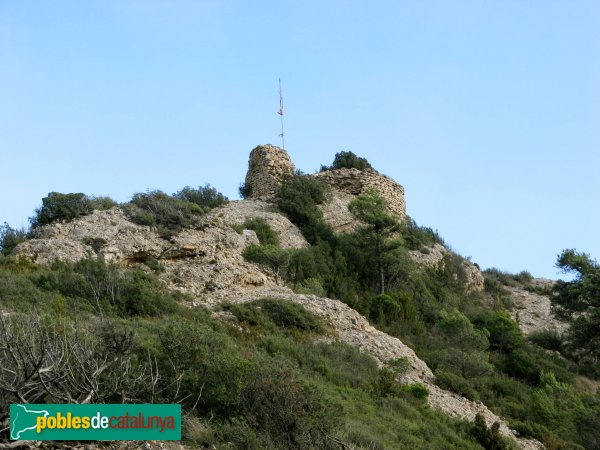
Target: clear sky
(487, 112)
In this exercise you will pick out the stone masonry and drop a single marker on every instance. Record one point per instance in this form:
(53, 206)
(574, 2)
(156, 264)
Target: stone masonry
(267, 167)
(356, 182)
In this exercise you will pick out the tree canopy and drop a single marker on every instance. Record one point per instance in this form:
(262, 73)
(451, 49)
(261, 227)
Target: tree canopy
(348, 160)
(579, 301)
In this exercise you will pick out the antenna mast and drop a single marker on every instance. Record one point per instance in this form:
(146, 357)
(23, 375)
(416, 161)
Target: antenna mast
(280, 112)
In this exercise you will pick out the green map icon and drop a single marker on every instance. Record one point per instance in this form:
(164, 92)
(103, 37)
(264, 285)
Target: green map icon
(23, 419)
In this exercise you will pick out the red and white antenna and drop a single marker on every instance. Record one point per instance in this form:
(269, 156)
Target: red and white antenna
(280, 112)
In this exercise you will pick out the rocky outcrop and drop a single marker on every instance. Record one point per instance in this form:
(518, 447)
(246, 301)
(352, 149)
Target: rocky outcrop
(202, 262)
(107, 233)
(434, 255)
(267, 167)
(236, 213)
(336, 214)
(532, 310)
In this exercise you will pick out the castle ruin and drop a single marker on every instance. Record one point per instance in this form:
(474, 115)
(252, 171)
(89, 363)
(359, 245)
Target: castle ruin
(269, 165)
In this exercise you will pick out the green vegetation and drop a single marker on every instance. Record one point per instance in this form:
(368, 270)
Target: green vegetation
(347, 160)
(10, 238)
(272, 376)
(264, 233)
(245, 190)
(205, 196)
(271, 257)
(90, 285)
(267, 385)
(168, 214)
(579, 301)
(66, 207)
(473, 349)
(419, 238)
(271, 313)
(370, 208)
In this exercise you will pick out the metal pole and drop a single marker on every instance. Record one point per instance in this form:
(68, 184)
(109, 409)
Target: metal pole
(280, 112)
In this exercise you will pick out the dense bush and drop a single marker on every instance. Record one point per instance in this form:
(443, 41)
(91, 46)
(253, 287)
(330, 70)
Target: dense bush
(578, 301)
(264, 232)
(489, 438)
(347, 160)
(418, 238)
(65, 207)
(548, 339)
(166, 213)
(245, 190)
(298, 199)
(10, 238)
(277, 313)
(204, 196)
(88, 285)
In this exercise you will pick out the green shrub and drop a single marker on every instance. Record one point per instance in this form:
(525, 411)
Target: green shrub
(385, 309)
(385, 384)
(101, 203)
(456, 383)
(107, 289)
(167, 213)
(10, 238)
(278, 312)
(521, 364)
(298, 199)
(504, 333)
(66, 207)
(204, 196)
(339, 363)
(95, 242)
(523, 277)
(548, 339)
(310, 286)
(271, 257)
(419, 238)
(293, 413)
(417, 390)
(347, 160)
(489, 438)
(264, 232)
(245, 190)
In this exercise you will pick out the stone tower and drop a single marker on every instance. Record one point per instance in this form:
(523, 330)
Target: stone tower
(267, 167)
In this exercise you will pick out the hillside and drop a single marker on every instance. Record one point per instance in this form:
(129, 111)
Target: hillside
(312, 314)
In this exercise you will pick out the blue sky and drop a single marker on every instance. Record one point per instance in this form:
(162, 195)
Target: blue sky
(487, 112)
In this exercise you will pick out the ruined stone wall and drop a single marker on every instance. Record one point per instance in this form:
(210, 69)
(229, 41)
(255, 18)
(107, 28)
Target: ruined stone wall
(267, 167)
(356, 182)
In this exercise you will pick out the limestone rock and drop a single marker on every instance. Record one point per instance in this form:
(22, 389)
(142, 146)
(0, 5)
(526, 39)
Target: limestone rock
(200, 262)
(236, 213)
(108, 233)
(533, 311)
(336, 214)
(213, 265)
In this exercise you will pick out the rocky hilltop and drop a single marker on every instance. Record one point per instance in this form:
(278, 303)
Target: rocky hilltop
(207, 263)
